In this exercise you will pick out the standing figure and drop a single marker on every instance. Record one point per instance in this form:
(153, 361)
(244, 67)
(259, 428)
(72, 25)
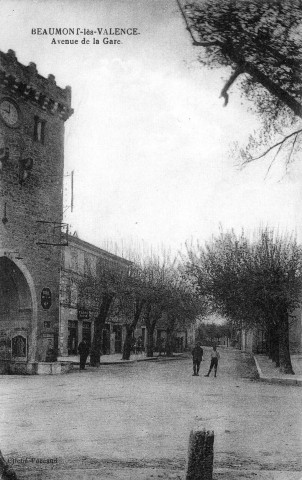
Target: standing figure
(197, 354)
(214, 362)
(83, 350)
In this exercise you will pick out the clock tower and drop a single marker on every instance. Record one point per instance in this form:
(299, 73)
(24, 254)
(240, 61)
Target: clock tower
(33, 110)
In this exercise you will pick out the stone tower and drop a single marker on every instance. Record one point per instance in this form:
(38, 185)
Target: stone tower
(33, 110)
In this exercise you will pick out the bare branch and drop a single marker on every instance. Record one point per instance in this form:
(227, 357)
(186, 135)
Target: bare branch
(212, 43)
(291, 150)
(288, 159)
(278, 144)
(186, 20)
(231, 80)
(273, 161)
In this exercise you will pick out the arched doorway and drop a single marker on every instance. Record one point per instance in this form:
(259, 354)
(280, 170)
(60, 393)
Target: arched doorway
(18, 312)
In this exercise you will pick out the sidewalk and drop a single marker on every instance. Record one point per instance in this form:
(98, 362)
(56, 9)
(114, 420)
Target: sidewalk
(117, 358)
(269, 373)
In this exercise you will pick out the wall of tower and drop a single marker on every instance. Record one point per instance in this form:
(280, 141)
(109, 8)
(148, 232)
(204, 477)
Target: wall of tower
(33, 110)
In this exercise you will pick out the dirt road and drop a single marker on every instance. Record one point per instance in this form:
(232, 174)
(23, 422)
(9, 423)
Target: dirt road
(133, 422)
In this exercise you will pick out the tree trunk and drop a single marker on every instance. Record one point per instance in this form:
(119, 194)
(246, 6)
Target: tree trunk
(96, 347)
(284, 354)
(128, 343)
(139, 304)
(170, 343)
(276, 355)
(269, 343)
(150, 339)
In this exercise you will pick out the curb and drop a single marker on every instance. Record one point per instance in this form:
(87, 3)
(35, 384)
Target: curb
(149, 359)
(167, 359)
(126, 362)
(276, 380)
(134, 360)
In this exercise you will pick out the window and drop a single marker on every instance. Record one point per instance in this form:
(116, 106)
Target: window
(39, 130)
(73, 294)
(65, 291)
(72, 342)
(74, 264)
(86, 332)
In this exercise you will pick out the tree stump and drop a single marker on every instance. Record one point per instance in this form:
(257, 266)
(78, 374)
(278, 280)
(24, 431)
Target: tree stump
(200, 455)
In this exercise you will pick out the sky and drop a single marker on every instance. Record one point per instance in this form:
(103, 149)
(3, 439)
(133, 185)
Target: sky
(149, 141)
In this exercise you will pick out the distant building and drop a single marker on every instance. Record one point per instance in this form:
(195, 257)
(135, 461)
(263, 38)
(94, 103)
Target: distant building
(255, 340)
(183, 336)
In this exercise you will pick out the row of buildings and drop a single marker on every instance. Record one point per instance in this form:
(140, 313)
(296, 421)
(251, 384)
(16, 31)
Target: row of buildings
(40, 263)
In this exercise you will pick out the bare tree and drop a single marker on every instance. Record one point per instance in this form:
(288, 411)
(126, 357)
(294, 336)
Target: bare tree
(254, 283)
(99, 291)
(137, 293)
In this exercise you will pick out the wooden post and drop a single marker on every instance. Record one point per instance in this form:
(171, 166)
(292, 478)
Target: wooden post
(200, 455)
(6, 472)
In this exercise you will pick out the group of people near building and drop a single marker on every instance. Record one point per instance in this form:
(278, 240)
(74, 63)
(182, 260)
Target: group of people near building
(84, 349)
(137, 345)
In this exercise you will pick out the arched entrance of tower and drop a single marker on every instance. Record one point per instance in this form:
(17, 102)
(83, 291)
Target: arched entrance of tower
(18, 312)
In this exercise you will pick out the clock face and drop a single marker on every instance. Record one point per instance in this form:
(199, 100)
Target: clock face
(9, 113)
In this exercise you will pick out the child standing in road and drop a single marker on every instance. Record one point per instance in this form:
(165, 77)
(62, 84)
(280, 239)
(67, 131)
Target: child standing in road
(214, 362)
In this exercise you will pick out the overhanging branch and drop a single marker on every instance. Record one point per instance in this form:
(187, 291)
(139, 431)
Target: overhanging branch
(186, 20)
(273, 88)
(246, 67)
(224, 91)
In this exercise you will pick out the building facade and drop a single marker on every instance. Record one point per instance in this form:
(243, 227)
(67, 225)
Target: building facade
(33, 110)
(256, 341)
(78, 311)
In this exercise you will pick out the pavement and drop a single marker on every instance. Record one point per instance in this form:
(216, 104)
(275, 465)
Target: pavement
(268, 372)
(116, 358)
